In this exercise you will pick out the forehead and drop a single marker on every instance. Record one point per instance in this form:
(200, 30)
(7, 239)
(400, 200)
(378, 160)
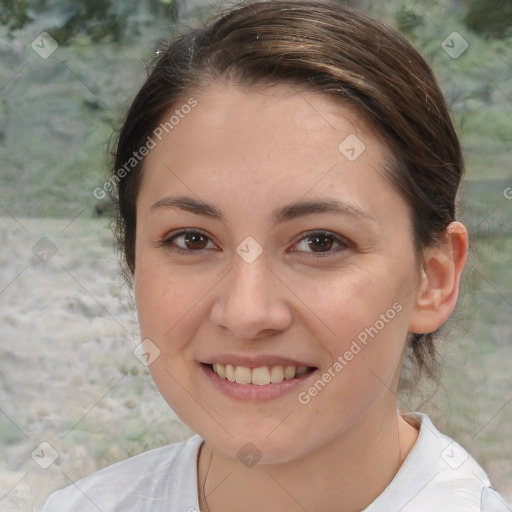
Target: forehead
(278, 142)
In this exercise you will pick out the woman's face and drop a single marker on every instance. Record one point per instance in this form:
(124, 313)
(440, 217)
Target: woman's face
(297, 253)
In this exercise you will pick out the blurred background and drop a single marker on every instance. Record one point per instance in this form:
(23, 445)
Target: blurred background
(73, 397)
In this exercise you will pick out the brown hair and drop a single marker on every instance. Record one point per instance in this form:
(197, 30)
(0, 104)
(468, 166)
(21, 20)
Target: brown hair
(327, 47)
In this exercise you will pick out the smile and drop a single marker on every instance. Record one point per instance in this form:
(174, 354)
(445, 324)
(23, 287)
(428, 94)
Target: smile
(260, 376)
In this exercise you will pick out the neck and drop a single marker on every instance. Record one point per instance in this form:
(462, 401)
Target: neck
(345, 475)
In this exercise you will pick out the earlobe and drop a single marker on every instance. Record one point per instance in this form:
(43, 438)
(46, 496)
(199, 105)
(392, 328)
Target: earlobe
(438, 288)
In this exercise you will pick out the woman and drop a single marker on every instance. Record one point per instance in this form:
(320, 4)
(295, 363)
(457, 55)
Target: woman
(286, 180)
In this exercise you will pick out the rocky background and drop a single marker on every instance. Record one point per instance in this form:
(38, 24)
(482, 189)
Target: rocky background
(68, 375)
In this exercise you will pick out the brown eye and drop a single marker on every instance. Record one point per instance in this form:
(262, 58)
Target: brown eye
(188, 242)
(195, 241)
(320, 243)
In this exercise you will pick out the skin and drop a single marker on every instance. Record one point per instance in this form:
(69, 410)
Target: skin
(248, 152)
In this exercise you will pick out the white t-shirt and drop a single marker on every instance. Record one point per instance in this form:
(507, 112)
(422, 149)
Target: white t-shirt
(438, 475)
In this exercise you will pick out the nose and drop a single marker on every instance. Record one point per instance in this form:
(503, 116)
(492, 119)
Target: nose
(251, 303)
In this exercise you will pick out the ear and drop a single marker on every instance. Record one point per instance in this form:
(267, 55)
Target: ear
(438, 289)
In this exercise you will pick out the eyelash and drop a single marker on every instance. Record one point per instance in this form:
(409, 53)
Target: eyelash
(343, 243)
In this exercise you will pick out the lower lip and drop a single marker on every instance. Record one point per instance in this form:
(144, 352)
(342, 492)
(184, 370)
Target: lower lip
(253, 391)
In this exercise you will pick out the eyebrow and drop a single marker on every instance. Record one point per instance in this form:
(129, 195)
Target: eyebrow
(279, 215)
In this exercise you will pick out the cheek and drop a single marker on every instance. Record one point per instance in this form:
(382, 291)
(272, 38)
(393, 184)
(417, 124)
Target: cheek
(166, 304)
(169, 301)
(360, 317)
(347, 301)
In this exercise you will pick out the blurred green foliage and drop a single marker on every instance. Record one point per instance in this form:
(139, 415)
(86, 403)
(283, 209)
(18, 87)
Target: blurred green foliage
(490, 18)
(105, 20)
(100, 20)
(14, 13)
(407, 19)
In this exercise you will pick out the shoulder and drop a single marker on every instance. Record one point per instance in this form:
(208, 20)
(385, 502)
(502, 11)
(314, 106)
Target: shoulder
(439, 475)
(492, 501)
(154, 480)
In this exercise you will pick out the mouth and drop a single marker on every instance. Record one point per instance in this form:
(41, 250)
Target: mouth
(260, 376)
(256, 378)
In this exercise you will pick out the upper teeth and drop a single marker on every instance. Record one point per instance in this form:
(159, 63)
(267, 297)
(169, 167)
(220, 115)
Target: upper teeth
(259, 376)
